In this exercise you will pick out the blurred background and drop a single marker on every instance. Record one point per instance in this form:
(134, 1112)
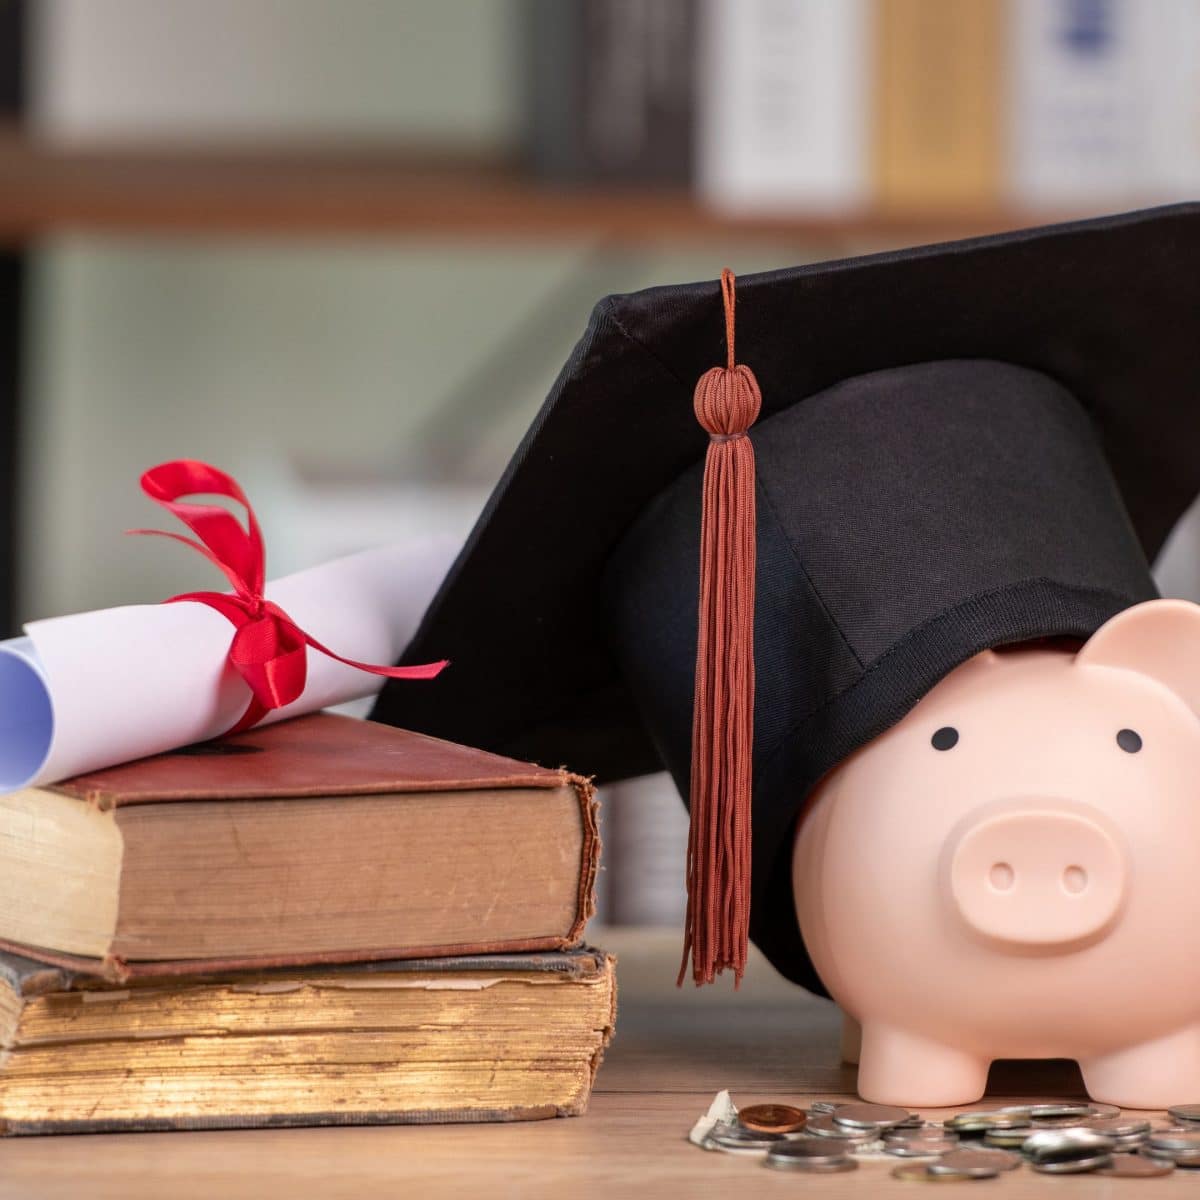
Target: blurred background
(341, 247)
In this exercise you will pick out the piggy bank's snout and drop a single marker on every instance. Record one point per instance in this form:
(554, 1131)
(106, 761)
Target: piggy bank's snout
(1037, 877)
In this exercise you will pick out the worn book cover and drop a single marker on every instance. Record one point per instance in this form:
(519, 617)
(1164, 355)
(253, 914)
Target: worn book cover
(318, 840)
(472, 1038)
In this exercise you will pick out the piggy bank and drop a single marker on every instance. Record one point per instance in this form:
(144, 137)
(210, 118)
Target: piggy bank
(1013, 871)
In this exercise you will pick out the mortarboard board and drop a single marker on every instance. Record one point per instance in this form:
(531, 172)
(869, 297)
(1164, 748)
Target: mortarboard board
(960, 446)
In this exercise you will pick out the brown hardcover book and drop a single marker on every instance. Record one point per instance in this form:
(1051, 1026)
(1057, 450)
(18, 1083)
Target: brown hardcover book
(484, 1038)
(322, 839)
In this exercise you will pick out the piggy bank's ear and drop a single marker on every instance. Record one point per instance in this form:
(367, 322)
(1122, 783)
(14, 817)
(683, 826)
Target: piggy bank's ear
(1160, 638)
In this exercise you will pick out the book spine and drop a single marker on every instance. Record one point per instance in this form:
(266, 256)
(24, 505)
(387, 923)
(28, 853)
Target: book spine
(613, 83)
(937, 102)
(783, 111)
(1168, 37)
(1078, 113)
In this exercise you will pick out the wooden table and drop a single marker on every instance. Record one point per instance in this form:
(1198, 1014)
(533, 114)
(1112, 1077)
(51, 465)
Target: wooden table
(673, 1052)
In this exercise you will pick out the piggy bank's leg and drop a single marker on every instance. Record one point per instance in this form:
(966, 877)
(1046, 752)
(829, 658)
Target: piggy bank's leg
(906, 1069)
(851, 1039)
(1152, 1075)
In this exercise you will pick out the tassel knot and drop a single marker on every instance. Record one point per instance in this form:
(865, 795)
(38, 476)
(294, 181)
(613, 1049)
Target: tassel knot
(727, 403)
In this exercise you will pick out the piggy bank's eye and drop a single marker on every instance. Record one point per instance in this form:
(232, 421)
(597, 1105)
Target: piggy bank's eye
(946, 738)
(1129, 741)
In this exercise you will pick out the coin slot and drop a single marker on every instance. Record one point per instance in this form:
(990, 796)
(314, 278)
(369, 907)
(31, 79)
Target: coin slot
(1075, 879)
(1002, 876)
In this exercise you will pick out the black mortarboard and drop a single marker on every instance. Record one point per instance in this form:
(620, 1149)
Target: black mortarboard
(960, 446)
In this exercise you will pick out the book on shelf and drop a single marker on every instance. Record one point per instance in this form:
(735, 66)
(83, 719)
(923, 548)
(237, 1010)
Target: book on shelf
(1078, 101)
(471, 1038)
(320, 839)
(611, 87)
(938, 103)
(783, 104)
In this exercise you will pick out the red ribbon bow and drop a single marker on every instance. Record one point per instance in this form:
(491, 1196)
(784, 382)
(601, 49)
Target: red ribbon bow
(269, 650)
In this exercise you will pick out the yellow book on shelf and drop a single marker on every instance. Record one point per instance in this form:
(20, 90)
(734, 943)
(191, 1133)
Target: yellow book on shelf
(938, 110)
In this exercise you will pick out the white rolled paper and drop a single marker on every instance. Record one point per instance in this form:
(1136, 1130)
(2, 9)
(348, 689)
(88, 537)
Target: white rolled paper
(94, 689)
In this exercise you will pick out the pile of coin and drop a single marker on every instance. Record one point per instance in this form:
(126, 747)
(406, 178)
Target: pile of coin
(1060, 1138)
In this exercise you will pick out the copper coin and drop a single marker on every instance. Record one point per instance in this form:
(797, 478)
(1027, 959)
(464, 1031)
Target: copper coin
(1135, 1166)
(772, 1118)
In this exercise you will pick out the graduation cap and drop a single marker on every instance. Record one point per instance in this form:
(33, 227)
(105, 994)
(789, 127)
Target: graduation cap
(929, 453)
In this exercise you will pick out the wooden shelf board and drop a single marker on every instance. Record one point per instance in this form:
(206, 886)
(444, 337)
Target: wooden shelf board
(44, 191)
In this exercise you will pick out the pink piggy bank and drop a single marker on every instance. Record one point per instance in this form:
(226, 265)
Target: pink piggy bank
(1013, 871)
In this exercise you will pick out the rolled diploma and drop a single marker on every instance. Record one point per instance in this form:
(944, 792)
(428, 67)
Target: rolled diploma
(90, 690)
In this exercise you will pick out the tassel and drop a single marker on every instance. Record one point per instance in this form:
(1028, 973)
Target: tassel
(727, 403)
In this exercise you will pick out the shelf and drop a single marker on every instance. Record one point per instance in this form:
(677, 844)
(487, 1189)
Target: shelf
(288, 194)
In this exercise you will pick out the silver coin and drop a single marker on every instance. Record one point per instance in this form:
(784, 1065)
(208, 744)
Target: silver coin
(1187, 1140)
(1072, 1166)
(982, 1120)
(910, 1137)
(978, 1172)
(812, 1168)
(822, 1106)
(1059, 1122)
(805, 1152)
(1008, 1139)
(737, 1137)
(1054, 1144)
(969, 1158)
(1136, 1166)
(920, 1173)
(1117, 1127)
(1184, 1112)
(930, 1129)
(823, 1125)
(1181, 1158)
(1103, 1110)
(870, 1116)
(920, 1149)
(1061, 1109)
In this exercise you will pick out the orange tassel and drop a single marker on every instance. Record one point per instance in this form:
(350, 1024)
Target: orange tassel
(727, 403)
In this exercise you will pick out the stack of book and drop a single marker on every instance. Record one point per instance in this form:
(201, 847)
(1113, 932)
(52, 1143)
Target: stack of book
(325, 921)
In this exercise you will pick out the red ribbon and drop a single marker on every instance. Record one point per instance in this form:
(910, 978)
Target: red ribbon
(269, 650)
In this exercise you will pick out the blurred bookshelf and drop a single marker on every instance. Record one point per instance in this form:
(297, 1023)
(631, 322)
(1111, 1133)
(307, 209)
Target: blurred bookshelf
(264, 193)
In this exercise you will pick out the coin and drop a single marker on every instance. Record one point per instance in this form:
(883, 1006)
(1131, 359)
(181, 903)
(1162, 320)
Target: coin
(1117, 1127)
(822, 1106)
(921, 1173)
(1136, 1166)
(1169, 1139)
(808, 1154)
(1072, 1166)
(1055, 1143)
(1009, 1139)
(919, 1149)
(915, 1137)
(823, 1125)
(1064, 1109)
(1103, 1110)
(772, 1118)
(1181, 1158)
(967, 1159)
(980, 1121)
(1185, 1112)
(727, 1136)
(870, 1116)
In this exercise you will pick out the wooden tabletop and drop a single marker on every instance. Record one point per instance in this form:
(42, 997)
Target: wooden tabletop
(673, 1051)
